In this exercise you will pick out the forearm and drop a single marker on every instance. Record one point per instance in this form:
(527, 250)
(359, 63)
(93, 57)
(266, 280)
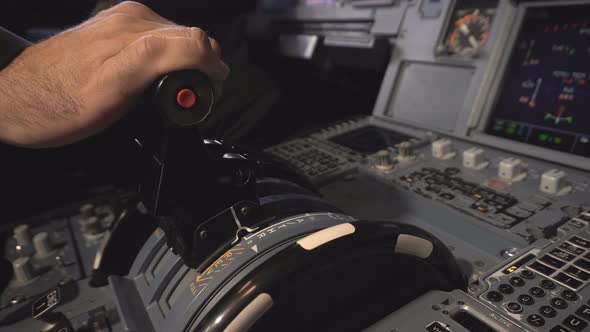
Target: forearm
(28, 104)
(11, 46)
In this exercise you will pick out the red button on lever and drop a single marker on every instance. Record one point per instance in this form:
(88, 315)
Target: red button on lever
(186, 98)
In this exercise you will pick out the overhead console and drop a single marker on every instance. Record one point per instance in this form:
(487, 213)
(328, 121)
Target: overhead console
(342, 31)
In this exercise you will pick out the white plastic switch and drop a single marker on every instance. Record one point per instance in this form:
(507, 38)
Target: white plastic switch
(443, 149)
(23, 269)
(553, 182)
(42, 244)
(511, 169)
(474, 158)
(22, 234)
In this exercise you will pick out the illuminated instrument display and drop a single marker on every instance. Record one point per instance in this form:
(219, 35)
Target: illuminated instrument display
(545, 94)
(469, 28)
(471, 32)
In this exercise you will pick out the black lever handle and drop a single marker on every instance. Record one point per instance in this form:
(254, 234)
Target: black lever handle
(183, 182)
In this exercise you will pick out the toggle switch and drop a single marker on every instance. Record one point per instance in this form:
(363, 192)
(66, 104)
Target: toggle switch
(405, 151)
(43, 245)
(23, 270)
(383, 161)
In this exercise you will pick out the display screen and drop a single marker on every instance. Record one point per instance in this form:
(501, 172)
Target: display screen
(544, 99)
(370, 139)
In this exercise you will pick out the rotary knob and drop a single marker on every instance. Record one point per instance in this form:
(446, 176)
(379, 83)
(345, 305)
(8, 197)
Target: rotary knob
(383, 161)
(23, 269)
(91, 226)
(87, 211)
(405, 151)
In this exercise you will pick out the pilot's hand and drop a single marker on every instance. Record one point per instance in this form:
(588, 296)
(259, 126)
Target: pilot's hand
(78, 82)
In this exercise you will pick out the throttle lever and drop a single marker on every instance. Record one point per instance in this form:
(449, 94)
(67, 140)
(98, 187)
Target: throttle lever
(181, 185)
(183, 99)
(191, 190)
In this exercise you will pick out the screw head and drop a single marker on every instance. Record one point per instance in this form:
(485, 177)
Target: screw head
(203, 234)
(17, 299)
(510, 252)
(65, 281)
(245, 210)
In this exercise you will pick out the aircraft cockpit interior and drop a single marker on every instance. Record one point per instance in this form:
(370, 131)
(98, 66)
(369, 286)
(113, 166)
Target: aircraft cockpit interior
(369, 165)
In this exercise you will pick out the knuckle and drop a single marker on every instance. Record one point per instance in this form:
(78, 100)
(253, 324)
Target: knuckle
(148, 47)
(119, 19)
(197, 33)
(214, 44)
(131, 7)
(195, 47)
(185, 32)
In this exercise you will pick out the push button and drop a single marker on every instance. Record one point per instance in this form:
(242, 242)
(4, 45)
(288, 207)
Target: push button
(552, 261)
(505, 289)
(186, 98)
(569, 281)
(583, 264)
(547, 284)
(562, 255)
(447, 196)
(542, 268)
(580, 242)
(584, 312)
(527, 274)
(578, 273)
(547, 311)
(575, 323)
(536, 291)
(514, 307)
(569, 295)
(558, 303)
(577, 223)
(559, 328)
(526, 299)
(573, 249)
(516, 281)
(536, 320)
(494, 296)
